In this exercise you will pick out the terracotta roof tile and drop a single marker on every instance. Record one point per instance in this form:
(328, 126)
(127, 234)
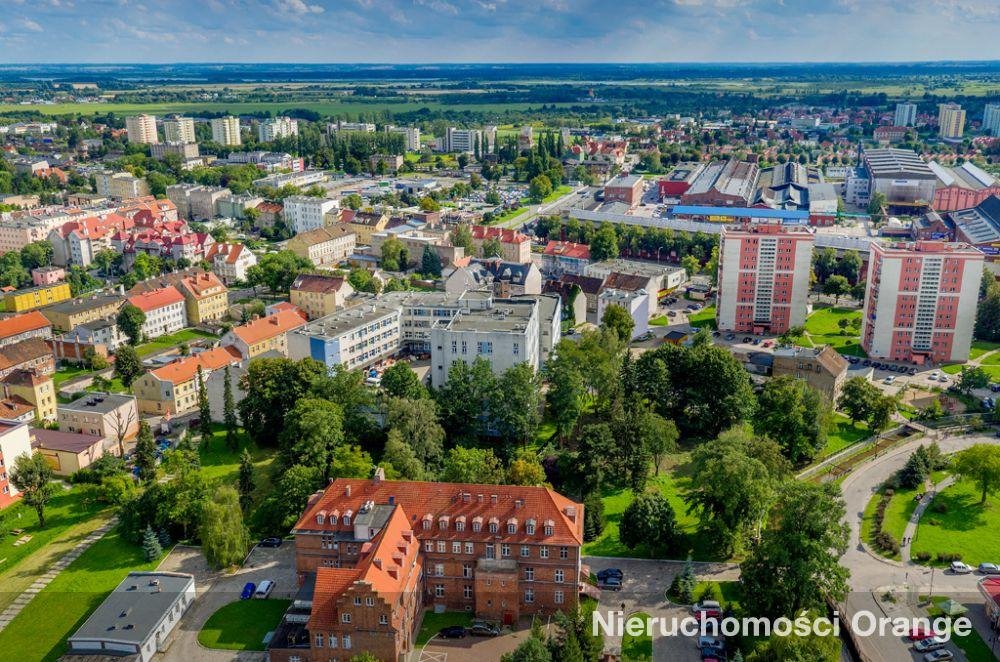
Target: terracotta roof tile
(271, 326)
(185, 369)
(318, 284)
(568, 249)
(158, 298)
(23, 323)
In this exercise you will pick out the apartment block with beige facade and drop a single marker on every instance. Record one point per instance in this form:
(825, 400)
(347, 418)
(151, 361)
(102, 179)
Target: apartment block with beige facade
(35, 388)
(141, 129)
(206, 299)
(318, 296)
(68, 315)
(326, 246)
(173, 388)
(364, 224)
(106, 415)
(267, 334)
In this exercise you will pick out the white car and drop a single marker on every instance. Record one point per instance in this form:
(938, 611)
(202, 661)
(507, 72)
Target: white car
(706, 605)
(940, 655)
(264, 589)
(889, 380)
(933, 376)
(930, 644)
(959, 568)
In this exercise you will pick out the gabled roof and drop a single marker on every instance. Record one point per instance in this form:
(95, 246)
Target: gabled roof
(269, 327)
(184, 369)
(628, 282)
(320, 235)
(588, 284)
(56, 440)
(15, 407)
(155, 299)
(504, 235)
(318, 284)
(454, 499)
(23, 323)
(24, 351)
(568, 249)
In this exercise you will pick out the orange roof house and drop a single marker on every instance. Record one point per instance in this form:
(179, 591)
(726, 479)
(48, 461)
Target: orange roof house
(265, 334)
(21, 327)
(174, 387)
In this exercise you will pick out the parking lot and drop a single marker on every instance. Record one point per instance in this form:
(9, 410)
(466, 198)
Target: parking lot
(473, 649)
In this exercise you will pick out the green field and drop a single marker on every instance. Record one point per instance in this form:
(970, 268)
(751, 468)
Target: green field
(966, 527)
(671, 484)
(171, 340)
(68, 519)
(323, 107)
(40, 631)
(640, 648)
(242, 625)
(433, 623)
(704, 318)
(66, 373)
(822, 329)
(221, 464)
(980, 347)
(842, 434)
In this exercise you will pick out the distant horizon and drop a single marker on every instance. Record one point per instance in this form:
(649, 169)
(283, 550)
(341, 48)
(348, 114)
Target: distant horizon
(501, 31)
(457, 63)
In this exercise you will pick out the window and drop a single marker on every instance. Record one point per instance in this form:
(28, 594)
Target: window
(529, 596)
(530, 528)
(429, 546)
(491, 552)
(347, 641)
(477, 526)
(369, 601)
(460, 525)
(564, 552)
(505, 550)
(345, 617)
(543, 552)
(383, 619)
(439, 590)
(494, 527)
(469, 548)
(467, 592)
(319, 640)
(558, 597)
(560, 576)
(442, 546)
(529, 574)
(427, 524)
(525, 551)
(512, 528)
(357, 600)
(347, 520)
(548, 530)
(466, 569)
(456, 548)
(334, 642)
(439, 569)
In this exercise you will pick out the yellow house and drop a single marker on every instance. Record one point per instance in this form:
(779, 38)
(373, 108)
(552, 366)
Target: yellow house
(173, 388)
(364, 224)
(35, 388)
(68, 315)
(19, 301)
(265, 334)
(318, 295)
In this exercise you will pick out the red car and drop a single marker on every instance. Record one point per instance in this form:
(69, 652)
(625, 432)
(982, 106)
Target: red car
(916, 634)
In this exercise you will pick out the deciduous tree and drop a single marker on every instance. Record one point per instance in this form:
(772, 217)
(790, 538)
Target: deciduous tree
(32, 476)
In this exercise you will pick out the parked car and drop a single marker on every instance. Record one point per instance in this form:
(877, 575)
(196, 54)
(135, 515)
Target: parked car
(918, 633)
(264, 589)
(989, 569)
(730, 336)
(610, 584)
(939, 655)
(889, 380)
(933, 376)
(930, 644)
(646, 336)
(747, 339)
(710, 642)
(610, 573)
(911, 371)
(959, 568)
(248, 590)
(452, 632)
(484, 629)
(706, 605)
(271, 542)
(943, 379)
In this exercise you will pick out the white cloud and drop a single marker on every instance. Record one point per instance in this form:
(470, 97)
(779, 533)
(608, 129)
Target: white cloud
(31, 25)
(298, 7)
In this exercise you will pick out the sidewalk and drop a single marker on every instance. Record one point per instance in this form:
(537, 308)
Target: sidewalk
(11, 612)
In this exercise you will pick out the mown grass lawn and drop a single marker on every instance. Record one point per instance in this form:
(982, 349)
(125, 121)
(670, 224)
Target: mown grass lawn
(703, 318)
(242, 625)
(637, 649)
(672, 484)
(965, 527)
(661, 320)
(68, 519)
(40, 631)
(980, 347)
(68, 372)
(841, 434)
(221, 464)
(823, 328)
(172, 340)
(434, 623)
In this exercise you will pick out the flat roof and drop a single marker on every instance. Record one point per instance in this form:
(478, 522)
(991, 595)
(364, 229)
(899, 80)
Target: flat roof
(103, 403)
(742, 212)
(132, 611)
(346, 319)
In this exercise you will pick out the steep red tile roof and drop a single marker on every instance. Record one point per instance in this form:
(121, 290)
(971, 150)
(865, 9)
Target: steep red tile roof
(185, 369)
(24, 351)
(95, 227)
(420, 499)
(15, 407)
(157, 298)
(231, 252)
(271, 326)
(23, 323)
(318, 284)
(203, 284)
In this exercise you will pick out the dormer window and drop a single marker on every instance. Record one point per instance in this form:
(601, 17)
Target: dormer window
(477, 525)
(460, 523)
(321, 518)
(512, 528)
(494, 527)
(443, 523)
(529, 527)
(548, 530)
(427, 523)
(347, 519)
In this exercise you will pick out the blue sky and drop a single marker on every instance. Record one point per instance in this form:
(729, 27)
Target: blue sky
(407, 31)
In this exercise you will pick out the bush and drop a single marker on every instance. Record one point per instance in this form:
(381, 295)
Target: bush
(886, 542)
(948, 557)
(939, 507)
(922, 557)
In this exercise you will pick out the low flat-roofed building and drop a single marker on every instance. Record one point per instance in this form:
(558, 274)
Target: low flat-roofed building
(679, 180)
(634, 302)
(624, 188)
(111, 416)
(352, 337)
(67, 452)
(660, 277)
(137, 617)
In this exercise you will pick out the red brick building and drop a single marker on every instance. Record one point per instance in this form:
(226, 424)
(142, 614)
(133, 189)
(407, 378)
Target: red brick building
(679, 180)
(372, 552)
(624, 188)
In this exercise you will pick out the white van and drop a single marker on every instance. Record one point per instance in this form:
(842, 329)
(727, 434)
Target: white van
(264, 589)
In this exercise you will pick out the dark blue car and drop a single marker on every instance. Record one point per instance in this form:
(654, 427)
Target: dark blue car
(248, 591)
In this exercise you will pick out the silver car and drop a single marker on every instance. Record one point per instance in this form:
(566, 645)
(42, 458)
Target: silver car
(989, 569)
